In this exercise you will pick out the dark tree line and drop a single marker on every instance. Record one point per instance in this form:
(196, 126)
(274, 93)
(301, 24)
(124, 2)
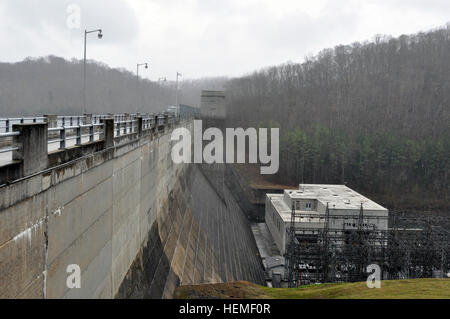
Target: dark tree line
(53, 85)
(374, 115)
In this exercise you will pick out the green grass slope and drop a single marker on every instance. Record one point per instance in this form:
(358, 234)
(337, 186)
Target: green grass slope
(390, 289)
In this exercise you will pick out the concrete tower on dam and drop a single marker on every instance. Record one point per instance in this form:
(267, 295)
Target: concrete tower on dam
(213, 114)
(213, 105)
(115, 205)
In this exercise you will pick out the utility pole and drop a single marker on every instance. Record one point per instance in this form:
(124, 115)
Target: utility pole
(100, 35)
(137, 81)
(176, 96)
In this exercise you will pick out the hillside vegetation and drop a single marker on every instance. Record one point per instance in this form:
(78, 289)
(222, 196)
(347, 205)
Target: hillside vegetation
(53, 85)
(373, 115)
(390, 289)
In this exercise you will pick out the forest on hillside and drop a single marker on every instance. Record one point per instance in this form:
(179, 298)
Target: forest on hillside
(373, 115)
(53, 85)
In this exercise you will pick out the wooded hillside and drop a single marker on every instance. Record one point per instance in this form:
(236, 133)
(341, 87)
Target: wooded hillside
(374, 115)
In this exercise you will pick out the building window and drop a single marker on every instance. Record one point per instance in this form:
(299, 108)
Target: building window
(308, 205)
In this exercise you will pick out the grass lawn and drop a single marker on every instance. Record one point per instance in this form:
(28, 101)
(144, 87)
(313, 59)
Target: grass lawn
(390, 289)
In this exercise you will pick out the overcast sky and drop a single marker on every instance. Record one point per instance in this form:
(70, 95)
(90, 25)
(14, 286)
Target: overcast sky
(204, 37)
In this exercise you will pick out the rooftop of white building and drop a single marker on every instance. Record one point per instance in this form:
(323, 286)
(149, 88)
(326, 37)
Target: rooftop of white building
(338, 197)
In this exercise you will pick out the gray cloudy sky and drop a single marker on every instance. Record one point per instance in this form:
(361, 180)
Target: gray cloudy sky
(205, 37)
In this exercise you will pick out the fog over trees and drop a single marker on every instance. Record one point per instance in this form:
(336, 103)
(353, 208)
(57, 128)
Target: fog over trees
(52, 85)
(374, 115)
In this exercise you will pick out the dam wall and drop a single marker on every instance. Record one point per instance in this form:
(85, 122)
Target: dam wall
(135, 223)
(200, 238)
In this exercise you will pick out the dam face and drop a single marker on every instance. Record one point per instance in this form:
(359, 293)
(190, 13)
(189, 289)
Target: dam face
(136, 224)
(197, 238)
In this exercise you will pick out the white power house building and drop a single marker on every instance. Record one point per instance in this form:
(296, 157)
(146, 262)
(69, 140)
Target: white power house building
(344, 205)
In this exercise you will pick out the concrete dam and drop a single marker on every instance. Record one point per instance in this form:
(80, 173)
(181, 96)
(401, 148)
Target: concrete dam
(136, 224)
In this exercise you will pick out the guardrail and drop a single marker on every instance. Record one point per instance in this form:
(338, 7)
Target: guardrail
(7, 123)
(125, 127)
(78, 129)
(148, 123)
(66, 128)
(9, 149)
(28, 144)
(66, 120)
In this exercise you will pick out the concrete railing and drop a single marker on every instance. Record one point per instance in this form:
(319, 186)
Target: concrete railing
(32, 140)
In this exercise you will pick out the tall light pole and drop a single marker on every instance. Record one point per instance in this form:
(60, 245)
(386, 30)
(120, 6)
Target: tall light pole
(176, 96)
(137, 81)
(100, 35)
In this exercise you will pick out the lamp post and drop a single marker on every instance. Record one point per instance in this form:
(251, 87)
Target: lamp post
(176, 96)
(100, 35)
(137, 81)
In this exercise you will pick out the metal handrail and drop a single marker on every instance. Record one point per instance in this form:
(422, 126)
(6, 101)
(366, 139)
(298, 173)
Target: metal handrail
(8, 134)
(124, 124)
(7, 150)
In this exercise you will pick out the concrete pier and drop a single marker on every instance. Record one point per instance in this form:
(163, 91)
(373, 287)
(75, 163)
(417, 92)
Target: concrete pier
(32, 146)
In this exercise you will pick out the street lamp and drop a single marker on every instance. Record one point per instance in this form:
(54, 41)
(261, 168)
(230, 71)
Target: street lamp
(137, 80)
(138, 66)
(176, 96)
(100, 35)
